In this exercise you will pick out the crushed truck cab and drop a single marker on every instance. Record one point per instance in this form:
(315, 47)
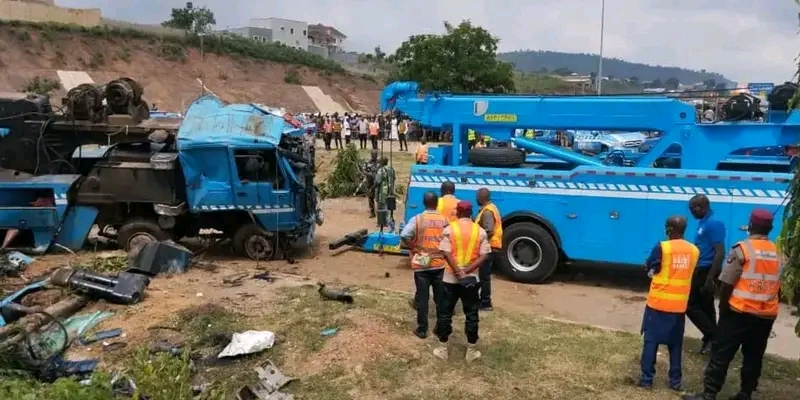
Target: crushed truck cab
(580, 207)
(241, 171)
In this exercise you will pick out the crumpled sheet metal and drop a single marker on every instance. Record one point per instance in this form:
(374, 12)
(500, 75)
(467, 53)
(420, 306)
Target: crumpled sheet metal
(271, 380)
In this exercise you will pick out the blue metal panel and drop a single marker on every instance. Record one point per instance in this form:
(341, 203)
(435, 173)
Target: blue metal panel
(77, 225)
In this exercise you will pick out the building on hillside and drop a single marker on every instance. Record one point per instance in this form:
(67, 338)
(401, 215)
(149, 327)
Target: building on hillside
(257, 34)
(325, 40)
(288, 32)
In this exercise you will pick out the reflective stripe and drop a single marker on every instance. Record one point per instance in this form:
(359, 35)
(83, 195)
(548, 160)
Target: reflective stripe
(464, 253)
(752, 296)
(749, 270)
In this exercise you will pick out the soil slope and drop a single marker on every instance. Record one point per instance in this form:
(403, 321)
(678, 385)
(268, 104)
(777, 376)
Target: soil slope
(170, 81)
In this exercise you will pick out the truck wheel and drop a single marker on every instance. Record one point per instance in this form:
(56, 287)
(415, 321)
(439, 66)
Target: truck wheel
(530, 253)
(496, 157)
(254, 243)
(137, 232)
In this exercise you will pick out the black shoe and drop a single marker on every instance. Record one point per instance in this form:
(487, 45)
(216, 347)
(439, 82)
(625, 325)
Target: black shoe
(741, 396)
(677, 388)
(705, 349)
(699, 396)
(646, 386)
(486, 308)
(372, 215)
(420, 333)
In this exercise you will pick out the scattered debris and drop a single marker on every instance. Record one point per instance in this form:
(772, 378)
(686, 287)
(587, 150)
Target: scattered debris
(109, 334)
(127, 288)
(265, 276)
(338, 295)
(329, 332)
(14, 263)
(235, 279)
(74, 327)
(271, 380)
(248, 342)
(165, 257)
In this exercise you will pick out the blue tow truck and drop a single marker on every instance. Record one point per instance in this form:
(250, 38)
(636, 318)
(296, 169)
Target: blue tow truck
(242, 170)
(585, 208)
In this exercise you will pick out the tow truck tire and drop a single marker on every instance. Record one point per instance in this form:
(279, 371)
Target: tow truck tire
(530, 253)
(254, 243)
(137, 232)
(496, 157)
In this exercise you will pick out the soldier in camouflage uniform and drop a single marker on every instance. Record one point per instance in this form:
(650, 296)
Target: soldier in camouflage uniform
(384, 182)
(370, 170)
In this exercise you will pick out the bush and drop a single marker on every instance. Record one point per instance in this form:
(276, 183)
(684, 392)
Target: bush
(230, 45)
(345, 177)
(41, 85)
(292, 76)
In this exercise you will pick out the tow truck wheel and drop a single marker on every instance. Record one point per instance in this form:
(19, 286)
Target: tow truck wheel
(254, 243)
(531, 254)
(136, 233)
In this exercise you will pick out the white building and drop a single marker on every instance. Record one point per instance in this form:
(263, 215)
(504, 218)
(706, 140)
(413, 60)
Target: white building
(285, 31)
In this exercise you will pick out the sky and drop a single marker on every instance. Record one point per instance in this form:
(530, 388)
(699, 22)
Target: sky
(745, 40)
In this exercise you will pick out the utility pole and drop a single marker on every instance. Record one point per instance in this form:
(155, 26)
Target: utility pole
(600, 62)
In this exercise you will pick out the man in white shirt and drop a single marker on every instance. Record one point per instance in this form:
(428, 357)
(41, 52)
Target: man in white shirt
(362, 132)
(346, 130)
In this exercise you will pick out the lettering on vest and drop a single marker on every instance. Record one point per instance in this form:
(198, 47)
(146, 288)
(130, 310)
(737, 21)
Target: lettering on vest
(758, 287)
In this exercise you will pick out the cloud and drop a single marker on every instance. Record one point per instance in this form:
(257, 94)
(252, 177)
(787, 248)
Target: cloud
(746, 40)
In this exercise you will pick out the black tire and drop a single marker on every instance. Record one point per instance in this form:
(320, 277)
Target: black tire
(136, 232)
(496, 157)
(254, 243)
(536, 266)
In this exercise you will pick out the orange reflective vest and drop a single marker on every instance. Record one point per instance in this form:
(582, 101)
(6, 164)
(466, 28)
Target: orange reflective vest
(669, 289)
(429, 227)
(496, 241)
(756, 292)
(402, 128)
(373, 128)
(447, 207)
(422, 154)
(337, 126)
(464, 242)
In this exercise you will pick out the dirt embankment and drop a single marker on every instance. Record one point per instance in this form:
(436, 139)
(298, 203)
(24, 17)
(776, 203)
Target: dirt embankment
(169, 72)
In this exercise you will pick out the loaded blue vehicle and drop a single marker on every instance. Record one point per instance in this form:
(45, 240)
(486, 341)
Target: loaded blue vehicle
(243, 171)
(585, 208)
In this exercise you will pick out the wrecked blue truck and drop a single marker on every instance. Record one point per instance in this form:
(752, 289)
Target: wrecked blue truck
(241, 171)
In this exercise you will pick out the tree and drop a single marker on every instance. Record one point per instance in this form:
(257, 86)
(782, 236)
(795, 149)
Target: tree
(463, 59)
(710, 84)
(634, 80)
(719, 86)
(656, 84)
(672, 83)
(190, 19)
(379, 54)
(789, 238)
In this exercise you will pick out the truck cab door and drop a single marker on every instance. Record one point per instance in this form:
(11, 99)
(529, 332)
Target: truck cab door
(262, 189)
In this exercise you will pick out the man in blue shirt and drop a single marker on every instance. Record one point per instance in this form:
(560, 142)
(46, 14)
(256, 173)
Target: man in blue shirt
(710, 240)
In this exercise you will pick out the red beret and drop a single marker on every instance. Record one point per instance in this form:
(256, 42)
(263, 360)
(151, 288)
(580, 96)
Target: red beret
(760, 216)
(464, 206)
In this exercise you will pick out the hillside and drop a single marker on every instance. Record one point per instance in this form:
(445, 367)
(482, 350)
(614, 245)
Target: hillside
(584, 64)
(168, 67)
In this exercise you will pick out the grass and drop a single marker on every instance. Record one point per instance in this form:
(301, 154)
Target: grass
(172, 47)
(374, 356)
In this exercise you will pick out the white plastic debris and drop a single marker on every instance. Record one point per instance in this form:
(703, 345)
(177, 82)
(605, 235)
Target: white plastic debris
(248, 342)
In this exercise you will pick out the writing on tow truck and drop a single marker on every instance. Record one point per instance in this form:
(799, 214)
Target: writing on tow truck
(500, 117)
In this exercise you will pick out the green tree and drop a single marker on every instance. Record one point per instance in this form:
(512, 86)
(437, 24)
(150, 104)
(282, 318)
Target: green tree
(710, 84)
(463, 59)
(672, 83)
(789, 238)
(190, 19)
(379, 54)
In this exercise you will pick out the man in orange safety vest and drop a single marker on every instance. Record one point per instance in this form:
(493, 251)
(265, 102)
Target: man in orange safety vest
(670, 267)
(748, 306)
(422, 235)
(465, 246)
(421, 156)
(448, 201)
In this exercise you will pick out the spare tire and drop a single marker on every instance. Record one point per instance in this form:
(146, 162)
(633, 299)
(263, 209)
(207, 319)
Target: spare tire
(496, 157)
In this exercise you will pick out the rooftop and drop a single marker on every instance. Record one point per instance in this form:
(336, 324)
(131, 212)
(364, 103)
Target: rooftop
(330, 30)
